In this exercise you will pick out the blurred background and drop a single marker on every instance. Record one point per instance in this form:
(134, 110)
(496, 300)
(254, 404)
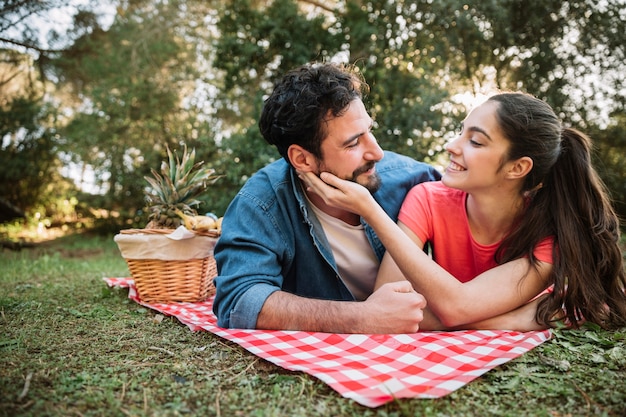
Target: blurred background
(92, 92)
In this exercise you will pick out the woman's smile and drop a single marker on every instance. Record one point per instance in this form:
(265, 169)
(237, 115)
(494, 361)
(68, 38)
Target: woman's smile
(455, 167)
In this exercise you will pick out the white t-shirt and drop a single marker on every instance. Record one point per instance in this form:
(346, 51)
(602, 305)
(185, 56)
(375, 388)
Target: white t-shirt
(356, 260)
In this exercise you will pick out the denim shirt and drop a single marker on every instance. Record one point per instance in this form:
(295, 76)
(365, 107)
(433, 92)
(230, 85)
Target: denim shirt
(271, 241)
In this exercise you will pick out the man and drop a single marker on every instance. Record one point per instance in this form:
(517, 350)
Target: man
(287, 260)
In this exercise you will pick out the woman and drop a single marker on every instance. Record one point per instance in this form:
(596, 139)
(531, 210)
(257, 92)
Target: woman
(519, 210)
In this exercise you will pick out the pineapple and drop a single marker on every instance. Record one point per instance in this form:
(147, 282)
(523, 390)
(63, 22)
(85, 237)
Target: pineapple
(175, 189)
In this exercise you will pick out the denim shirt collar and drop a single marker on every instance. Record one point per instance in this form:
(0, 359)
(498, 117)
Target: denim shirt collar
(316, 230)
(315, 227)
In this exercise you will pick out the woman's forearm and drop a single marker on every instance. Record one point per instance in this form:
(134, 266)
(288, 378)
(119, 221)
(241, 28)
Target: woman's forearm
(492, 293)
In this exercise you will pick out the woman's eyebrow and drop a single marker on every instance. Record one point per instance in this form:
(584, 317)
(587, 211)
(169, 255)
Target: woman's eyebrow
(477, 129)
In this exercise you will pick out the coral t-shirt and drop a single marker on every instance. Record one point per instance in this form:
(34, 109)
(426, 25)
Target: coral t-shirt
(436, 214)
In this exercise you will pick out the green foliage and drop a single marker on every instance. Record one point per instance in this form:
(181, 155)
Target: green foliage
(168, 73)
(29, 172)
(610, 159)
(130, 84)
(243, 154)
(259, 37)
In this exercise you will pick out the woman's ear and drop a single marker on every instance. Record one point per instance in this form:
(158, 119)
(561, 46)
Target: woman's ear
(301, 159)
(520, 168)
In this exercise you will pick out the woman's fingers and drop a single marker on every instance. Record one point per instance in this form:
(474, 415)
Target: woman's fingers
(336, 192)
(321, 185)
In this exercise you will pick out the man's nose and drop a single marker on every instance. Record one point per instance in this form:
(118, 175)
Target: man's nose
(374, 151)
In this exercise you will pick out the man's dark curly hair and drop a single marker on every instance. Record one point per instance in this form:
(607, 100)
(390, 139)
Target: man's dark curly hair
(303, 100)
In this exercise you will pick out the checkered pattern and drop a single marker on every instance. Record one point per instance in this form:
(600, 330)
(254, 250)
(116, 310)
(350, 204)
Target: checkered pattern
(370, 369)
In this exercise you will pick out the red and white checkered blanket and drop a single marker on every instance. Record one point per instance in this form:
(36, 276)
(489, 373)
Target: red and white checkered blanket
(370, 369)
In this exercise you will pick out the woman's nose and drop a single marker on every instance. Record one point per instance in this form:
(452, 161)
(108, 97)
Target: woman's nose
(452, 145)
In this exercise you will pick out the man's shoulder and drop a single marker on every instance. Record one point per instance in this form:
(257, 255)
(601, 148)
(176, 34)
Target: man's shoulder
(393, 161)
(272, 173)
(270, 183)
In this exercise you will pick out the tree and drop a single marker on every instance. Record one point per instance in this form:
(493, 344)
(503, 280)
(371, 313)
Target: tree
(130, 84)
(30, 177)
(196, 72)
(26, 153)
(610, 158)
(423, 58)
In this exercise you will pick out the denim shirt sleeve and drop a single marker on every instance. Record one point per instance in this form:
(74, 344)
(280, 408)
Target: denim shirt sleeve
(244, 314)
(269, 243)
(249, 254)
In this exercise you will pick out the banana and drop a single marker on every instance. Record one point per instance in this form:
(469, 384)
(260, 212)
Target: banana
(198, 223)
(188, 221)
(204, 223)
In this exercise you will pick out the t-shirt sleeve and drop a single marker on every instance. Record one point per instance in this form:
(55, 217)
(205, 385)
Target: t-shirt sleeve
(416, 213)
(543, 250)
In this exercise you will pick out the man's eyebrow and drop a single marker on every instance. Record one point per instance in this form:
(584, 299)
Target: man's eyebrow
(351, 139)
(357, 135)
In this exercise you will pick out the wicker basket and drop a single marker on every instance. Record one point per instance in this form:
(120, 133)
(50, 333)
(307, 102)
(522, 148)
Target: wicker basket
(169, 270)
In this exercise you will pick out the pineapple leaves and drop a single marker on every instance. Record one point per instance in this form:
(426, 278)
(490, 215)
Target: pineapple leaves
(176, 186)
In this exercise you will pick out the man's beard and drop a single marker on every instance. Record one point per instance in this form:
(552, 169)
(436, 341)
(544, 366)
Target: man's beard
(373, 182)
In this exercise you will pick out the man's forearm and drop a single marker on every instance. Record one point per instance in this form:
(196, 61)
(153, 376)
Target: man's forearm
(286, 311)
(393, 308)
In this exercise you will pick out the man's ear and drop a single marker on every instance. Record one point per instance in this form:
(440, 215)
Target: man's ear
(520, 167)
(301, 159)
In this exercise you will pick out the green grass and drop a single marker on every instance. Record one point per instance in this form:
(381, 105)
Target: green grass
(71, 346)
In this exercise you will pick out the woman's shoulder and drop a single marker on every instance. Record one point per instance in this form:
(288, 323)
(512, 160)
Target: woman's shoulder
(434, 196)
(437, 190)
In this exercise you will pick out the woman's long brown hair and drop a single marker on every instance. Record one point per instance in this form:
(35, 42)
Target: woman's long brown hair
(567, 200)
